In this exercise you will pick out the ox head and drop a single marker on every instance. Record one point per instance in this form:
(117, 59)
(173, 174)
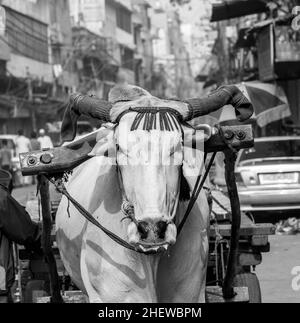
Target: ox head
(149, 161)
(149, 152)
(149, 164)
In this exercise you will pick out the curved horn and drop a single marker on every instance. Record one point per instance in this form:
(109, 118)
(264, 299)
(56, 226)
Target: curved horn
(227, 94)
(82, 105)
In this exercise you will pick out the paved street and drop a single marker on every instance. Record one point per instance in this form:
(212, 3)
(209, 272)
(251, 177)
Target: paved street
(274, 273)
(24, 193)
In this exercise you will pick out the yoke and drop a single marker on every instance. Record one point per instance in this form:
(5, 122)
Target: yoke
(57, 161)
(63, 159)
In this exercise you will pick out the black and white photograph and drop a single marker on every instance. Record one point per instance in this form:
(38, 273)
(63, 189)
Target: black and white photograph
(149, 156)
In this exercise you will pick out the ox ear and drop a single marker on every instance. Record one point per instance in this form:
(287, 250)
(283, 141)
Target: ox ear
(105, 145)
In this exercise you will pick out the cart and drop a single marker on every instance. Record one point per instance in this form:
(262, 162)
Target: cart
(34, 274)
(252, 243)
(234, 250)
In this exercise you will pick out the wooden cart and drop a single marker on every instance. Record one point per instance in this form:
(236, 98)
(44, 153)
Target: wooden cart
(252, 243)
(35, 282)
(253, 238)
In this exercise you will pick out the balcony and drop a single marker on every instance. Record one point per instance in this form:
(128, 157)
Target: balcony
(88, 44)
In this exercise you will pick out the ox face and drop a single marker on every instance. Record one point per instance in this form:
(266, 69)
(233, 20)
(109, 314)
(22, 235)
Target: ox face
(149, 164)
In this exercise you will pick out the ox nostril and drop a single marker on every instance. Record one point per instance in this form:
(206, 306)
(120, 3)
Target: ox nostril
(143, 229)
(161, 229)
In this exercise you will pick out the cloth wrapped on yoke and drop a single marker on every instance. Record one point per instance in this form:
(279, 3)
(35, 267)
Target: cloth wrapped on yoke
(123, 98)
(227, 94)
(82, 105)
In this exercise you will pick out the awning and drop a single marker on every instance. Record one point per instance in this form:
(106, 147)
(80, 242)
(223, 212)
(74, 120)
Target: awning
(237, 8)
(285, 20)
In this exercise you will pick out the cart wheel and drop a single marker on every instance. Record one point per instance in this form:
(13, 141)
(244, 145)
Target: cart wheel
(34, 289)
(249, 280)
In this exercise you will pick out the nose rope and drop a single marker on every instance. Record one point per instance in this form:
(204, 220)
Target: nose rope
(166, 119)
(88, 216)
(126, 207)
(128, 210)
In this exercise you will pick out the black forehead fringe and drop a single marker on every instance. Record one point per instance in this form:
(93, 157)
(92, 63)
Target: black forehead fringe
(156, 120)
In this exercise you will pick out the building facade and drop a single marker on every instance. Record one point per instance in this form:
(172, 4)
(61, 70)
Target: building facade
(35, 76)
(51, 48)
(172, 72)
(114, 23)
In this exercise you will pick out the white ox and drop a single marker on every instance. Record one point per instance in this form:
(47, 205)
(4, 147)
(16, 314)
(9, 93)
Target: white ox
(106, 271)
(174, 268)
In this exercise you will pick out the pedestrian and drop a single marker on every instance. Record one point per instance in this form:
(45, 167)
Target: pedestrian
(44, 140)
(22, 143)
(23, 146)
(34, 142)
(6, 156)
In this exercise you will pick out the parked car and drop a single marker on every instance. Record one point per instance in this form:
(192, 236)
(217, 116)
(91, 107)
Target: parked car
(268, 175)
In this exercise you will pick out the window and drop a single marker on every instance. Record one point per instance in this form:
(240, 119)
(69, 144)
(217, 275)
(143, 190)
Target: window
(27, 36)
(127, 58)
(124, 19)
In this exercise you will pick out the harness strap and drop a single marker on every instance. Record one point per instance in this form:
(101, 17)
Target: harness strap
(221, 205)
(197, 189)
(91, 219)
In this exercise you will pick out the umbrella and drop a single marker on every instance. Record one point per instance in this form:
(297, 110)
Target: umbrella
(269, 102)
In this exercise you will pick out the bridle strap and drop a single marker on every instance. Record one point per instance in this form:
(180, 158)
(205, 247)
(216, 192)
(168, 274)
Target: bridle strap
(61, 188)
(197, 189)
(88, 216)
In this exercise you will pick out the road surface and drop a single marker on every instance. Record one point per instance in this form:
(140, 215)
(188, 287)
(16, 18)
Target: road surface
(275, 274)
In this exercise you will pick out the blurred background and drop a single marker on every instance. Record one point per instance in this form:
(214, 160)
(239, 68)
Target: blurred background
(172, 48)
(183, 48)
